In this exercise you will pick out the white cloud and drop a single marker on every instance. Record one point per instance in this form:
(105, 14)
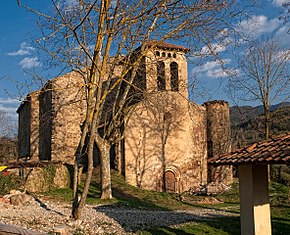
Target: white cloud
(214, 48)
(278, 2)
(214, 69)
(9, 106)
(257, 25)
(29, 62)
(9, 101)
(25, 49)
(283, 36)
(219, 73)
(212, 65)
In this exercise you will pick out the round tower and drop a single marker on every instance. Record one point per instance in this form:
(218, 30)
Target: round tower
(218, 139)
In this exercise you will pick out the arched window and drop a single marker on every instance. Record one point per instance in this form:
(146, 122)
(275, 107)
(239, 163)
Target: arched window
(160, 76)
(157, 53)
(174, 76)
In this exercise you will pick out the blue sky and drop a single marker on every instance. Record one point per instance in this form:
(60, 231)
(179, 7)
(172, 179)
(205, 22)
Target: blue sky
(17, 54)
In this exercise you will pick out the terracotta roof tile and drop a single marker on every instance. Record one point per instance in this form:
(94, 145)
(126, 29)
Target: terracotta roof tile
(165, 45)
(273, 151)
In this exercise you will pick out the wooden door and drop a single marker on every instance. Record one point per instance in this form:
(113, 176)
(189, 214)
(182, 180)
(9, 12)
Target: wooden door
(169, 182)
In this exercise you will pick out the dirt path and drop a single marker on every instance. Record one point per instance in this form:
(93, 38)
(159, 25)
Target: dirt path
(46, 216)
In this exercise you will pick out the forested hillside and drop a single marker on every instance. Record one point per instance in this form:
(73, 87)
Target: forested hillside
(247, 123)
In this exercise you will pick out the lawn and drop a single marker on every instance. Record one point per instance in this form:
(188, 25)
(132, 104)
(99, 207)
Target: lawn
(128, 196)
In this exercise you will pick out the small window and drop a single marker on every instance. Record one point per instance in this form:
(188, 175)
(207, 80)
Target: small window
(160, 76)
(157, 53)
(163, 54)
(210, 148)
(169, 55)
(174, 76)
(174, 55)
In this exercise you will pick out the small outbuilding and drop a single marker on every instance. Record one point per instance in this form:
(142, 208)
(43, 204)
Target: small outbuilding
(252, 162)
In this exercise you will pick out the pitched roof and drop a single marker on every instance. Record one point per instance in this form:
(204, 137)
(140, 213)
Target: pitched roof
(164, 45)
(273, 151)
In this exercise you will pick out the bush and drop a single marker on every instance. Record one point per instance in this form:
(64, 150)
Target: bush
(9, 182)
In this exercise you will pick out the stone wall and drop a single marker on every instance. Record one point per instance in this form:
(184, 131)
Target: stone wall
(68, 113)
(34, 126)
(218, 139)
(28, 121)
(24, 130)
(42, 179)
(45, 121)
(158, 140)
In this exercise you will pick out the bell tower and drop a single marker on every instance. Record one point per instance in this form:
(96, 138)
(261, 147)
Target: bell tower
(166, 69)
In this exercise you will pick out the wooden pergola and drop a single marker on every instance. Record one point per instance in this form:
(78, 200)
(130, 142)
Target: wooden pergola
(252, 162)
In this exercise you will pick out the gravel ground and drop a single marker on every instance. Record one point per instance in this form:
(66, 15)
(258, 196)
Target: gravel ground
(46, 216)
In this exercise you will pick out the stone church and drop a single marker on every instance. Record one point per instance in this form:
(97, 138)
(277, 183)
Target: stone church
(167, 139)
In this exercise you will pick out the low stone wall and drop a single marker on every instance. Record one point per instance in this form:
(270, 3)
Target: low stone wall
(41, 179)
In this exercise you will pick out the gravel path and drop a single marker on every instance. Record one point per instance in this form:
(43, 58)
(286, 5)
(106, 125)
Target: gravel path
(46, 216)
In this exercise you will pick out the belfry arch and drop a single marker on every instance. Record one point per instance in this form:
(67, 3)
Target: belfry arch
(161, 76)
(174, 76)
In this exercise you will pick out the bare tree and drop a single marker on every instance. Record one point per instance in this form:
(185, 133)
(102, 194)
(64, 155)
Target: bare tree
(82, 35)
(8, 143)
(8, 127)
(264, 77)
(286, 16)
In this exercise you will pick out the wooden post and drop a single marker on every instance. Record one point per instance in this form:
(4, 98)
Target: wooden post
(254, 200)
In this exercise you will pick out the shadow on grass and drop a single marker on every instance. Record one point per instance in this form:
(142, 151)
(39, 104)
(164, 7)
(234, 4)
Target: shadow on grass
(219, 225)
(198, 221)
(172, 222)
(222, 208)
(138, 202)
(280, 226)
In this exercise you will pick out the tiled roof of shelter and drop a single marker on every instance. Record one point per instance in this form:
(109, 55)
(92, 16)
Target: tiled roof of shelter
(273, 151)
(164, 45)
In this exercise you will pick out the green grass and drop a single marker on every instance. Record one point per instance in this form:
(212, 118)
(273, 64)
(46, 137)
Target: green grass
(228, 225)
(128, 196)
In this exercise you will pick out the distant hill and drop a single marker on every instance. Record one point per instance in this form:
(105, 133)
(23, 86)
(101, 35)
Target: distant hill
(247, 123)
(240, 114)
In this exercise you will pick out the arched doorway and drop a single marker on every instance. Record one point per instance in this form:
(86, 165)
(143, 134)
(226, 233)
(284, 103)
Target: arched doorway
(170, 182)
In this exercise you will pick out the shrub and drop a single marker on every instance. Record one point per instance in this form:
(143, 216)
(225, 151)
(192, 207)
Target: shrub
(9, 182)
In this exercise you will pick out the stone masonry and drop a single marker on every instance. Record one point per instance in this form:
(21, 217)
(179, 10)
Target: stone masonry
(167, 139)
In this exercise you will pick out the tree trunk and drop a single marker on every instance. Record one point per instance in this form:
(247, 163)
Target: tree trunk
(75, 187)
(76, 213)
(79, 204)
(105, 170)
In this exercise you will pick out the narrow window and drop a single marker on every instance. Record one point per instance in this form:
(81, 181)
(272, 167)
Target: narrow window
(163, 54)
(157, 53)
(174, 76)
(174, 55)
(160, 76)
(169, 55)
(210, 149)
